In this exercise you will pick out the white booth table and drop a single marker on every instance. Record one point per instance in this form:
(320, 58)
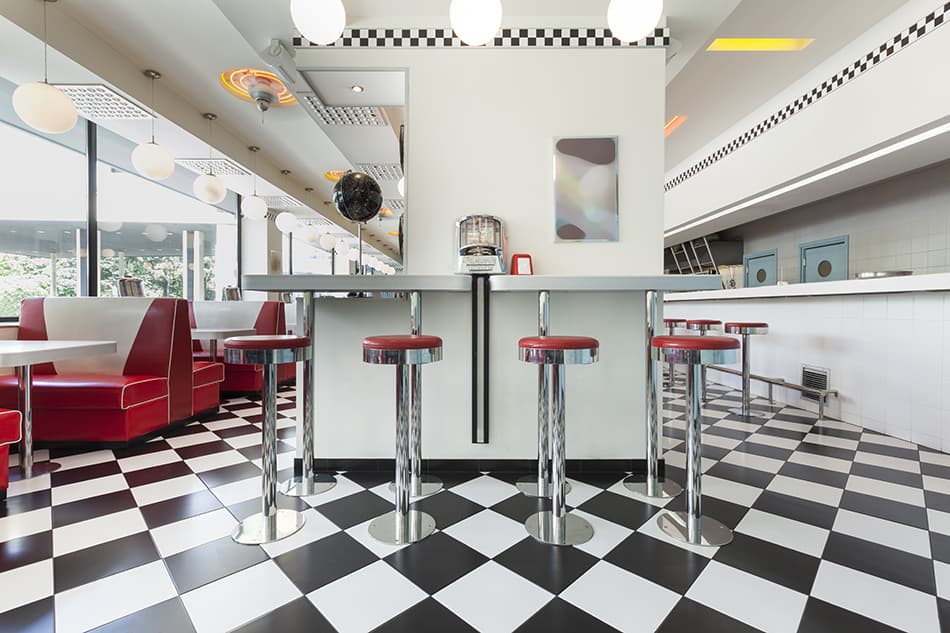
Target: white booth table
(213, 335)
(23, 355)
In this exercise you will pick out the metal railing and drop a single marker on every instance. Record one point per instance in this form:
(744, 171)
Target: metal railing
(821, 394)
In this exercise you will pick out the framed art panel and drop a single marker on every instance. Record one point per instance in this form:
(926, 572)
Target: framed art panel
(586, 207)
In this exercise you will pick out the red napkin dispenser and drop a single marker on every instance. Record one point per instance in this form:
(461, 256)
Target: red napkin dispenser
(521, 264)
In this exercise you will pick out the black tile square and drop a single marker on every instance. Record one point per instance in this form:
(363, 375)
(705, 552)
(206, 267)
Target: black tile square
(797, 509)
(92, 507)
(787, 434)
(827, 451)
(723, 431)
(299, 616)
(885, 509)
(892, 451)
(237, 431)
(200, 450)
(178, 508)
(688, 617)
(145, 448)
(618, 509)
(26, 503)
(427, 616)
(519, 507)
(741, 474)
(229, 474)
(36, 617)
(355, 509)
(286, 433)
(672, 567)
(188, 429)
(316, 564)
(242, 510)
(935, 470)
(206, 563)
(370, 478)
(822, 617)
(84, 473)
(256, 451)
(93, 563)
(558, 615)
(436, 562)
(907, 569)
(815, 475)
(447, 508)
(765, 450)
(770, 561)
(597, 479)
(887, 474)
(940, 547)
(157, 473)
(943, 614)
(26, 550)
(164, 617)
(451, 478)
(548, 566)
(839, 433)
(725, 512)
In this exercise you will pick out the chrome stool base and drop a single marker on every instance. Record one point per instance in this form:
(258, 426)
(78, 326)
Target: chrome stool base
(18, 473)
(383, 528)
(251, 530)
(666, 488)
(576, 530)
(299, 487)
(751, 414)
(712, 533)
(430, 485)
(528, 485)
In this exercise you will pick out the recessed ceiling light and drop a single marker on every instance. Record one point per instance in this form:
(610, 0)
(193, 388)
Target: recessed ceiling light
(673, 124)
(760, 44)
(357, 88)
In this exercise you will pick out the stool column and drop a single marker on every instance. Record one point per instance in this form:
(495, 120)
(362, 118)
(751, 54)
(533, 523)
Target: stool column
(420, 485)
(403, 459)
(269, 454)
(746, 377)
(694, 453)
(558, 450)
(672, 382)
(702, 332)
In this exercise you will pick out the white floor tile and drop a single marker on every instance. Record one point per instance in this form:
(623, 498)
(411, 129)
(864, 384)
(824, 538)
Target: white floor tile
(809, 490)
(624, 601)
(801, 537)
(361, 534)
(148, 460)
(113, 597)
(757, 462)
(513, 599)
(230, 602)
(25, 523)
(886, 489)
(229, 423)
(380, 591)
(169, 489)
(678, 459)
(344, 487)
(26, 584)
(940, 459)
(191, 440)
(896, 535)
(485, 490)
(736, 425)
(243, 441)
(581, 493)
(727, 490)
(84, 459)
(821, 461)
(886, 461)
(937, 484)
(719, 441)
(650, 528)
(87, 489)
(77, 536)
(798, 427)
(942, 574)
(215, 460)
(891, 603)
(315, 528)
(192, 532)
(26, 486)
(831, 441)
(887, 440)
(749, 599)
(772, 440)
(607, 535)
(238, 491)
(488, 532)
(938, 521)
(620, 489)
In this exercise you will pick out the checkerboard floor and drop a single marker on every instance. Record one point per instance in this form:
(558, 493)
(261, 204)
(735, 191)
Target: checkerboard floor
(836, 529)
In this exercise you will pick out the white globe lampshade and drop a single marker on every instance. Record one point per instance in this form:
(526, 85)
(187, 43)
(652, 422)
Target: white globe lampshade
(156, 232)
(286, 222)
(108, 252)
(632, 20)
(109, 227)
(45, 108)
(209, 188)
(475, 21)
(312, 235)
(153, 161)
(254, 208)
(327, 242)
(320, 21)
(401, 186)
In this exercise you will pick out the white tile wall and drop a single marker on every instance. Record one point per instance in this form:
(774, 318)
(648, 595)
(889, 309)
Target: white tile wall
(889, 355)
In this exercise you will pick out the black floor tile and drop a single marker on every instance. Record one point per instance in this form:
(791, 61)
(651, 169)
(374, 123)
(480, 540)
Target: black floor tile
(741, 474)
(714, 452)
(602, 480)
(241, 511)
(519, 507)
(888, 474)
(940, 547)
(426, 617)
(549, 566)
(558, 615)
(826, 451)
(447, 508)
(816, 475)
(237, 431)
(370, 478)
(286, 433)
(25, 550)
(355, 509)
(935, 470)
(797, 509)
(200, 450)
(884, 509)
(92, 507)
(822, 617)
(624, 511)
(189, 429)
(299, 616)
(435, 562)
(84, 473)
(93, 563)
(255, 452)
(36, 617)
(145, 448)
(206, 563)
(728, 513)
(839, 433)
(26, 503)
(178, 508)
(723, 431)
(937, 501)
(787, 434)
(157, 473)
(764, 450)
(163, 617)
(691, 617)
(672, 567)
(677, 434)
(884, 562)
(943, 614)
(791, 417)
(316, 564)
(892, 451)
(229, 474)
(770, 561)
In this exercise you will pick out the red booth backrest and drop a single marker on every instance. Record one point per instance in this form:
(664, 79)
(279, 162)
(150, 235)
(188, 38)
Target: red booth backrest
(266, 317)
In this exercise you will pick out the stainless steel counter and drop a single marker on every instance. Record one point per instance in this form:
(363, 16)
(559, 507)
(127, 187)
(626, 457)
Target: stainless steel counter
(357, 283)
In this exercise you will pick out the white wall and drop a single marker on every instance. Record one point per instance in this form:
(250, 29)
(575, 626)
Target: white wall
(259, 238)
(480, 134)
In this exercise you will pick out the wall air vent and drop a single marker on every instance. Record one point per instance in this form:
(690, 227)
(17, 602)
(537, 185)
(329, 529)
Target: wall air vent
(816, 378)
(217, 166)
(395, 205)
(384, 171)
(282, 202)
(101, 103)
(346, 115)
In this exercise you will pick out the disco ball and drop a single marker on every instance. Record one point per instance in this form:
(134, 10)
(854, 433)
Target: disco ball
(357, 196)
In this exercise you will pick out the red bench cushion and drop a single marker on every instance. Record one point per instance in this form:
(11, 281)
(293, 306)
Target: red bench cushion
(9, 427)
(87, 391)
(207, 373)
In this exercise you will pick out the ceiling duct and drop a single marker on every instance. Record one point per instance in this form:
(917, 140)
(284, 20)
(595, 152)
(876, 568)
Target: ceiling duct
(99, 102)
(382, 172)
(395, 205)
(217, 166)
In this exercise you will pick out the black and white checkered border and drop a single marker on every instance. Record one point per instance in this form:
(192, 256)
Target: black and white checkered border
(885, 51)
(510, 38)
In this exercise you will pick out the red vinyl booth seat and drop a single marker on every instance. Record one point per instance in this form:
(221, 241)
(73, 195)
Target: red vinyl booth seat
(265, 317)
(9, 434)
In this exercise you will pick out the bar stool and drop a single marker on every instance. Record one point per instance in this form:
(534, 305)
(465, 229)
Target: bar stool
(695, 352)
(745, 330)
(270, 351)
(671, 325)
(557, 526)
(702, 326)
(402, 525)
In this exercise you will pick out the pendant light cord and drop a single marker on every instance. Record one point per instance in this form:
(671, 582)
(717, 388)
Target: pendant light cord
(45, 48)
(153, 109)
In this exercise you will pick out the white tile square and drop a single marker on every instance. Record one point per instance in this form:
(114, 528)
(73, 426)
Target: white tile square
(623, 600)
(89, 488)
(169, 489)
(785, 425)
(736, 425)
(25, 524)
(192, 532)
(678, 459)
(756, 462)
(809, 490)
(937, 484)
(485, 490)
(228, 423)
(192, 439)
(488, 532)
(581, 493)
(831, 441)
(513, 599)
(316, 527)
(148, 460)
(607, 534)
(942, 574)
(791, 534)
(26, 486)
(89, 458)
(91, 605)
(243, 441)
(887, 440)
(886, 489)
(735, 492)
(772, 440)
(248, 594)
(215, 460)
(380, 592)
(652, 529)
(821, 461)
(26, 584)
(238, 491)
(749, 599)
(896, 535)
(719, 441)
(77, 536)
(940, 459)
(886, 461)
(888, 602)
(938, 521)
(344, 487)
(361, 534)
(619, 489)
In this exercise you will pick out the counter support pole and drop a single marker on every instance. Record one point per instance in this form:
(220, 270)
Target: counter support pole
(420, 486)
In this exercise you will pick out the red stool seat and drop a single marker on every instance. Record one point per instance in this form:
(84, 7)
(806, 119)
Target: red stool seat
(694, 350)
(746, 324)
(266, 349)
(274, 341)
(695, 342)
(746, 327)
(699, 322)
(401, 342)
(674, 322)
(558, 342)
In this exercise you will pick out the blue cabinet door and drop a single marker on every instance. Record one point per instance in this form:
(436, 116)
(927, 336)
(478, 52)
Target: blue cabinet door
(826, 260)
(761, 269)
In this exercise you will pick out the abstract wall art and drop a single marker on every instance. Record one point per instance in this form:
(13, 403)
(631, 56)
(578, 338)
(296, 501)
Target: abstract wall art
(585, 190)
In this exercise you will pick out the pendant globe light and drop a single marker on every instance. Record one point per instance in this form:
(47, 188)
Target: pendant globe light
(320, 21)
(44, 107)
(151, 159)
(254, 207)
(208, 187)
(475, 21)
(632, 20)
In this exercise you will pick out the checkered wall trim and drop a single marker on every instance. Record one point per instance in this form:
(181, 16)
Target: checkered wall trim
(883, 52)
(510, 38)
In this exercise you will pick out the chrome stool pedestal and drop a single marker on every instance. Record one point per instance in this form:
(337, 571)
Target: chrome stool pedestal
(271, 524)
(747, 330)
(671, 325)
(702, 326)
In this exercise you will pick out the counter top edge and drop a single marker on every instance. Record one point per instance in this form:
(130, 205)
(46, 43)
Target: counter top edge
(911, 283)
(613, 283)
(356, 283)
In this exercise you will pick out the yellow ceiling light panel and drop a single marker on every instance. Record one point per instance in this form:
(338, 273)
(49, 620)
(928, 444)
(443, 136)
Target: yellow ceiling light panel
(673, 124)
(335, 175)
(760, 44)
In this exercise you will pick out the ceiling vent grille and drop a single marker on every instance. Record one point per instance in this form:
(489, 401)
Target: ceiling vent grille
(318, 221)
(383, 171)
(816, 378)
(282, 202)
(95, 101)
(218, 166)
(346, 115)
